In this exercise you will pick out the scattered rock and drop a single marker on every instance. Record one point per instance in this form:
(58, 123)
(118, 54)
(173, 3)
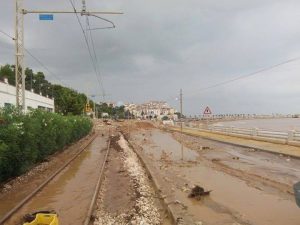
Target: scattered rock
(144, 210)
(215, 160)
(199, 223)
(179, 220)
(185, 189)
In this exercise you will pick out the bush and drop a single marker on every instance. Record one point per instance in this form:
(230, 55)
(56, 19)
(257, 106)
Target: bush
(26, 139)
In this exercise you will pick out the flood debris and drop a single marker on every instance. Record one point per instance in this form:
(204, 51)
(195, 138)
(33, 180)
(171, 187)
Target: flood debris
(215, 160)
(197, 192)
(165, 157)
(199, 223)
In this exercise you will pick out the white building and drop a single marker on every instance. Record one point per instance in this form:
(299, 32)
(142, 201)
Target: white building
(32, 100)
(152, 109)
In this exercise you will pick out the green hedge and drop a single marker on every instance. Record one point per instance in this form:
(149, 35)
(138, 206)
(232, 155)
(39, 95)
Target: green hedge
(26, 139)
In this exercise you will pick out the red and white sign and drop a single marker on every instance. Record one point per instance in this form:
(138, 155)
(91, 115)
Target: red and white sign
(207, 111)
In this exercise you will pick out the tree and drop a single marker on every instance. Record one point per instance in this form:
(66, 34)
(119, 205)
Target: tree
(8, 71)
(179, 115)
(67, 101)
(165, 118)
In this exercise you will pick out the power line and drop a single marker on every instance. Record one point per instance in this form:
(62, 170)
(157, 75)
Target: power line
(87, 44)
(104, 19)
(6, 34)
(38, 60)
(249, 75)
(95, 55)
(46, 68)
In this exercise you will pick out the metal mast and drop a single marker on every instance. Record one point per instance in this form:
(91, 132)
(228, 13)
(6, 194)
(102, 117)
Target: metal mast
(19, 56)
(19, 44)
(181, 121)
(83, 7)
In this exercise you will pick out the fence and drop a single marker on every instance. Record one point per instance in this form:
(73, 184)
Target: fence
(283, 137)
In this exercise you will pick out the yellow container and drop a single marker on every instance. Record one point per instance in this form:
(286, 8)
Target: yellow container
(44, 219)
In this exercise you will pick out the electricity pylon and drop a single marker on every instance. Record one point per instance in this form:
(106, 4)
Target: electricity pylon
(19, 45)
(19, 55)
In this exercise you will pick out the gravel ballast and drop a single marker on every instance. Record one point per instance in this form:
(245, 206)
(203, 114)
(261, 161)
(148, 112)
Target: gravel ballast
(144, 211)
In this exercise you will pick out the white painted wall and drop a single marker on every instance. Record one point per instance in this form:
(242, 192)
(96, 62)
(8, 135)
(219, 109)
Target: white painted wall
(8, 96)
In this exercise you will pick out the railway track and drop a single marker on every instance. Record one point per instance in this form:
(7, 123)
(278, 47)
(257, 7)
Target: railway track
(34, 193)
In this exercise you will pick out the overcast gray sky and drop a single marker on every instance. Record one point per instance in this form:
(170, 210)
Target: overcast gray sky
(160, 46)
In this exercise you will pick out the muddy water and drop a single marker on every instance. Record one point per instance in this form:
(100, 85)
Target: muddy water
(232, 199)
(248, 203)
(160, 143)
(70, 193)
(272, 166)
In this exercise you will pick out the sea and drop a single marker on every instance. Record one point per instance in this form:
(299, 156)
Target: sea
(274, 124)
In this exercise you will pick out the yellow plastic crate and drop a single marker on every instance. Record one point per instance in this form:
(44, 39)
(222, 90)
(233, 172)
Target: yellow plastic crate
(44, 219)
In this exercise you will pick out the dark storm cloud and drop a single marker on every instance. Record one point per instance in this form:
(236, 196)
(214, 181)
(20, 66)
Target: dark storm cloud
(159, 47)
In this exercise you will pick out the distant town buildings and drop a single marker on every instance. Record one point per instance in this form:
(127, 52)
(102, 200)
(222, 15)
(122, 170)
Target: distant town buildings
(151, 110)
(33, 101)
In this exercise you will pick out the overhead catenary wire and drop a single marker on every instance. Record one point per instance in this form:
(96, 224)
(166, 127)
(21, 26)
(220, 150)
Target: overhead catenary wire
(37, 60)
(104, 19)
(6, 34)
(175, 97)
(94, 63)
(95, 55)
(249, 75)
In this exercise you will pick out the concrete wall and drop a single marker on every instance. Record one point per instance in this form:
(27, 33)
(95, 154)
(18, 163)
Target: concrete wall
(8, 97)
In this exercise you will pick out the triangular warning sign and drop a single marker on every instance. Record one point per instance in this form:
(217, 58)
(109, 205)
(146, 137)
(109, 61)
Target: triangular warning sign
(207, 111)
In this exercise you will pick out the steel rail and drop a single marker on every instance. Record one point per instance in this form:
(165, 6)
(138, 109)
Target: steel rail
(32, 194)
(97, 188)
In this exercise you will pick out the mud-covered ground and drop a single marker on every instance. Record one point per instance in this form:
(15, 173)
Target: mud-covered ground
(127, 195)
(248, 186)
(18, 188)
(63, 194)
(260, 169)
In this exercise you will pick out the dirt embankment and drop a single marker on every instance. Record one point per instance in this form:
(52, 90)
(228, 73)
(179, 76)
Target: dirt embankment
(144, 125)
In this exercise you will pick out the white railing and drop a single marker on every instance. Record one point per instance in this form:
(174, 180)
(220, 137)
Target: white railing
(286, 137)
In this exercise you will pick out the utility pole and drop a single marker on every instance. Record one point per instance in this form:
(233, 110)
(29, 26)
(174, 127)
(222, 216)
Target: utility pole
(181, 136)
(19, 43)
(19, 56)
(83, 7)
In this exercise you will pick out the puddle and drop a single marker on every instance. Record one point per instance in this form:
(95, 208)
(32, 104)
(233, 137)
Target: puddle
(162, 143)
